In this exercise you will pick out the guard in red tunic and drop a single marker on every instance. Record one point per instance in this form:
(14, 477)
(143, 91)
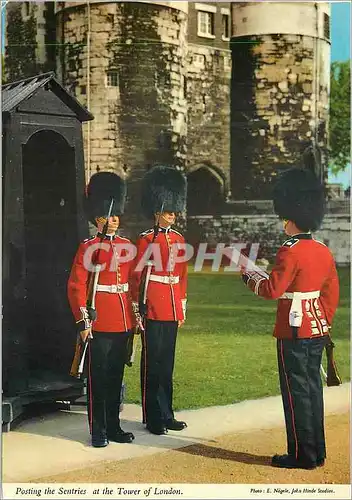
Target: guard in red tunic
(112, 319)
(159, 294)
(305, 283)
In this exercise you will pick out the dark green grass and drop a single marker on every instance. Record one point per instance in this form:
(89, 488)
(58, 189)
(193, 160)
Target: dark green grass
(225, 351)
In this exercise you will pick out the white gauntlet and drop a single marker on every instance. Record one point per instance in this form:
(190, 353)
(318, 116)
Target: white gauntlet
(257, 278)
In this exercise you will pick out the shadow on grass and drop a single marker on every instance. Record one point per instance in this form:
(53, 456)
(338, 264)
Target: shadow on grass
(223, 454)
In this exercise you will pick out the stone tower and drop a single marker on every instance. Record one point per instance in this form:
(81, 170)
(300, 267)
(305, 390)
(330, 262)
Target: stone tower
(127, 62)
(280, 90)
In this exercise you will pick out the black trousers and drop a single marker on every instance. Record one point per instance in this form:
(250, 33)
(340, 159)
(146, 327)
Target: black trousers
(302, 395)
(106, 363)
(157, 366)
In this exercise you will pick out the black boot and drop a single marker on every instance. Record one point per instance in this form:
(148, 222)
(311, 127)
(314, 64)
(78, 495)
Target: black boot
(158, 429)
(175, 425)
(120, 436)
(99, 440)
(289, 462)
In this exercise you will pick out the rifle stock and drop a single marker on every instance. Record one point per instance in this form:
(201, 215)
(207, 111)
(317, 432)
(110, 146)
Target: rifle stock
(76, 359)
(333, 378)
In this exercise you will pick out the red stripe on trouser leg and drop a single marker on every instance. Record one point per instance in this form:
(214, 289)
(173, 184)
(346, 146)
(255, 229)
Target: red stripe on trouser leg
(144, 388)
(90, 390)
(289, 398)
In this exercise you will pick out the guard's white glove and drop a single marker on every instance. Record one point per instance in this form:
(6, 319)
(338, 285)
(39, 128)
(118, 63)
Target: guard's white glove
(85, 322)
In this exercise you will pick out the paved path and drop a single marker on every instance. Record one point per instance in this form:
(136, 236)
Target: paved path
(59, 442)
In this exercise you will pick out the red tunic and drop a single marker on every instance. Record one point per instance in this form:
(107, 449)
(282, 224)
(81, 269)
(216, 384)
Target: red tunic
(165, 301)
(114, 310)
(302, 265)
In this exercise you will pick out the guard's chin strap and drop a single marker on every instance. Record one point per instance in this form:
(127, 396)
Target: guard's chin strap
(157, 223)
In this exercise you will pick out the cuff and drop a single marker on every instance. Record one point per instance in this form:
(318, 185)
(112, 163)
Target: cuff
(253, 280)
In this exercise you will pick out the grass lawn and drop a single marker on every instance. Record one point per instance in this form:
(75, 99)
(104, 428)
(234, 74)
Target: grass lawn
(225, 351)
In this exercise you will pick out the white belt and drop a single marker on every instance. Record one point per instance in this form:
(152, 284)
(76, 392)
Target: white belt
(169, 280)
(296, 314)
(123, 287)
(300, 295)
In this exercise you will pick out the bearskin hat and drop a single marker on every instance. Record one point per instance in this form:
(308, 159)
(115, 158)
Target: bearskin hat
(104, 187)
(164, 189)
(298, 194)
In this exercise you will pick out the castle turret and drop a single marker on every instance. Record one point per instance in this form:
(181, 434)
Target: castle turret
(127, 62)
(280, 90)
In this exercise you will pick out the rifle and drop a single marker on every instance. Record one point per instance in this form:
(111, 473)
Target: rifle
(81, 347)
(143, 286)
(130, 350)
(142, 296)
(332, 375)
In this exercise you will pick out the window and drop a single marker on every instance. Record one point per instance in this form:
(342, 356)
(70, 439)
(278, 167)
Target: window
(206, 24)
(184, 87)
(111, 19)
(199, 60)
(326, 26)
(227, 63)
(27, 9)
(225, 27)
(162, 80)
(112, 78)
(165, 140)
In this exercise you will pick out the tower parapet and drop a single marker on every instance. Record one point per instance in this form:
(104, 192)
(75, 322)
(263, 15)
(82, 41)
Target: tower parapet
(280, 90)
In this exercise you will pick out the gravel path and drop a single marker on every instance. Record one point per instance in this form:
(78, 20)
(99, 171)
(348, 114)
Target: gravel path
(243, 457)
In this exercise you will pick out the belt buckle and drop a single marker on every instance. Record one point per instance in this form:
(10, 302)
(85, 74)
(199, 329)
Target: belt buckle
(172, 280)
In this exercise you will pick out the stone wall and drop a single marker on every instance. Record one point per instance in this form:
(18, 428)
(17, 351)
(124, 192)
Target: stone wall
(267, 231)
(280, 89)
(208, 92)
(278, 108)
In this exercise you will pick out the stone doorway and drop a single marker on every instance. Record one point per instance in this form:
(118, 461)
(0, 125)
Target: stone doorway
(205, 192)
